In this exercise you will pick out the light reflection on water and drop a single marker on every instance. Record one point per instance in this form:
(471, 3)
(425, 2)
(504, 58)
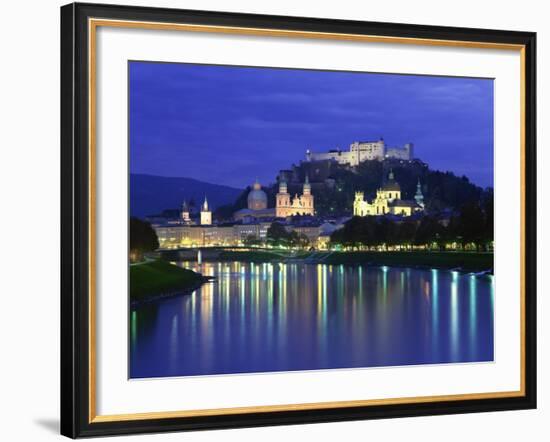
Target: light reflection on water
(282, 317)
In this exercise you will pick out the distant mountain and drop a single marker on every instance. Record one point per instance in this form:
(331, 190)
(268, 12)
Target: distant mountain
(151, 194)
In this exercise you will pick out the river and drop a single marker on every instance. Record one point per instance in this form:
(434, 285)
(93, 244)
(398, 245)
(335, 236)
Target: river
(283, 317)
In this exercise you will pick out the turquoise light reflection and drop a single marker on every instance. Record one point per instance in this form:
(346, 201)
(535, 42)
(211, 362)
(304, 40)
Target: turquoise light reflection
(174, 343)
(454, 332)
(435, 310)
(473, 316)
(322, 311)
(133, 328)
(302, 316)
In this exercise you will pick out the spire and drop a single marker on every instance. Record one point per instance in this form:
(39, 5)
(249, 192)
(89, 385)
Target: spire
(185, 212)
(307, 186)
(390, 176)
(205, 205)
(418, 197)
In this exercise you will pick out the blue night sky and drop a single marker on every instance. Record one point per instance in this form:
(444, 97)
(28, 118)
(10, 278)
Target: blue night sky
(229, 125)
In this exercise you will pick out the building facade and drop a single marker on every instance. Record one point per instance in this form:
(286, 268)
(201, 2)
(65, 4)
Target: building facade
(360, 151)
(178, 236)
(388, 201)
(285, 205)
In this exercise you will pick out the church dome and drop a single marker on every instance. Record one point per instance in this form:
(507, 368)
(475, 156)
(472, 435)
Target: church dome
(257, 198)
(391, 184)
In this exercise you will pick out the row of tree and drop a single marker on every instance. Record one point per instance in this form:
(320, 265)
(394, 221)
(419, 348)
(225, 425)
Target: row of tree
(278, 236)
(471, 226)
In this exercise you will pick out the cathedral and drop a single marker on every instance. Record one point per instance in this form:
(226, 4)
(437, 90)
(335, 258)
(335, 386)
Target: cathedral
(388, 200)
(285, 204)
(298, 205)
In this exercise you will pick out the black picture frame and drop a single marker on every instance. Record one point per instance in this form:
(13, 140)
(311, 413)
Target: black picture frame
(75, 220)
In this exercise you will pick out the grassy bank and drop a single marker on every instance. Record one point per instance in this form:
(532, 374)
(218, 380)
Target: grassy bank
(467, 261)
(447, 260)
(160, 277)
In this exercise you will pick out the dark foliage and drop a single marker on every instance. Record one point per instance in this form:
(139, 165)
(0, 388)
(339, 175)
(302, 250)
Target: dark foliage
(278, 236)
(143, 238)
(471, 225)
(441, 190)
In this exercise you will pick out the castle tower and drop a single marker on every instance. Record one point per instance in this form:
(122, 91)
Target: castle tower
(185, 213)
(206, 214)
(418, 197)
(409, 148)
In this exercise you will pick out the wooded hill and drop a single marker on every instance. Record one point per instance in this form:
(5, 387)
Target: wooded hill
(335, 195)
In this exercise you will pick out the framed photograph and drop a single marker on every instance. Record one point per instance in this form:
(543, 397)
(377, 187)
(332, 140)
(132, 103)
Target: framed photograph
(275, 220)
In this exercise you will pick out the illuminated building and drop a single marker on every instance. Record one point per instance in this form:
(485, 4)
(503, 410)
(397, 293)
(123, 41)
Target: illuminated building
(185, 217)
(256, 206)
(257, 198)
(360, 151)
(298, 205)
(388, 200)
(206, 214)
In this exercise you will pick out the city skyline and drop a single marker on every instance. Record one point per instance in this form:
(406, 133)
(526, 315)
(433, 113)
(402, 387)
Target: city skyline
(230, 125)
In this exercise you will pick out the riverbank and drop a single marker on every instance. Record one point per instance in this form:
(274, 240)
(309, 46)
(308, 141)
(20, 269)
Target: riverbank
(155, 279)
(464, 261)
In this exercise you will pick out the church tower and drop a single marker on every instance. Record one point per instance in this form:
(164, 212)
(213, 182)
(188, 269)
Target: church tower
(206, 214)
(307, 198)
(282, 200)
(358, 204)
(418, 197)
(185, 213)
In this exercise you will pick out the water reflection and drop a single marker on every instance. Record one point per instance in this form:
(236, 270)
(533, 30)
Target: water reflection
(273, 317)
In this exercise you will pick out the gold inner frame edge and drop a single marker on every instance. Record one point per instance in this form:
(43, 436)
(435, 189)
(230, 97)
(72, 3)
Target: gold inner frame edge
(93, 24)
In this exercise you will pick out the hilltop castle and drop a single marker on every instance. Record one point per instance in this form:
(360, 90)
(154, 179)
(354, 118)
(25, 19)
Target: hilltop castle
(360, 151)
(388, 200)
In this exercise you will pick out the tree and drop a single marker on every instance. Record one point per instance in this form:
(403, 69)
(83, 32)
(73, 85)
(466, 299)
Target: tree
(299, 240)
(429, 231)
(471, 224)
(277, 235)
(359, 232)
(252, 240)
(143, 238)
(406, 233)
(487, 205)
